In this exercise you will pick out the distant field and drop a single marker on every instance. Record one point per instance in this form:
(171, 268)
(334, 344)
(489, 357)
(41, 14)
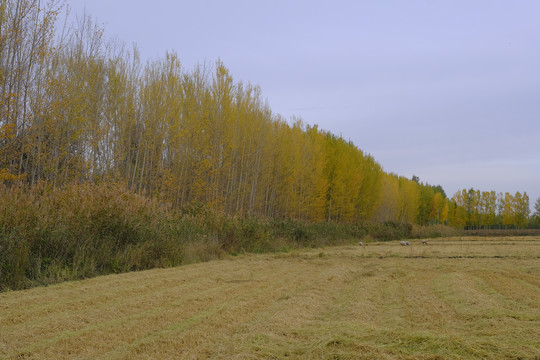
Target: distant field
(470, 298)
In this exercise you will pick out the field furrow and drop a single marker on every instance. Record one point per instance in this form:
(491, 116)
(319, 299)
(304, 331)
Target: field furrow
(381, 301)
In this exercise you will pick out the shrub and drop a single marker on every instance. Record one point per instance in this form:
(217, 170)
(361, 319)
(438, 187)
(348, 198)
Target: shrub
(51, 234)
(391, 231)
(434, 231)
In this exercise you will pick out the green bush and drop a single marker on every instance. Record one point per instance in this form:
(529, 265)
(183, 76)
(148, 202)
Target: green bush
(391, 231)
(434, 231)
(49, 235)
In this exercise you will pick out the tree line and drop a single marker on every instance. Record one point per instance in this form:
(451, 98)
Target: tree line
(475, 209)
(77, 108)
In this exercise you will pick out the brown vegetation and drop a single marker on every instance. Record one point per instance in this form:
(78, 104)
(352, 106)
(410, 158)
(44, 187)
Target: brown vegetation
(458, 298)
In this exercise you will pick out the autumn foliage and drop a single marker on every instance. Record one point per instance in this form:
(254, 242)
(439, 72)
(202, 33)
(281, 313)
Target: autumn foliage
(80, 115)
(475, 209)
(78, 109)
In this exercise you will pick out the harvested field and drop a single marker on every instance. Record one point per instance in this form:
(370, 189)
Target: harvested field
(470, 298)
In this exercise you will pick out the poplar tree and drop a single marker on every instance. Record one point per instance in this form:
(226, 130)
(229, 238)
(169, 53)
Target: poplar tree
(77, 108)
(536, 213)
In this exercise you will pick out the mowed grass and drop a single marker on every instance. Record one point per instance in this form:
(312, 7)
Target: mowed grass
(470, 298)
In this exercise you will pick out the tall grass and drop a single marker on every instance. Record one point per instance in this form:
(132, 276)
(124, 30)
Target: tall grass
(54, 234)
(51, 234)
(434, 231)
(502, 232)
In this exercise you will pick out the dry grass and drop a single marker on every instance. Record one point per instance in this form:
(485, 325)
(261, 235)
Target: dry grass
(452, 299)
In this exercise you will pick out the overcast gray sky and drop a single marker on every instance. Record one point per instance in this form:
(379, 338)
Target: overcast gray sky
(445, 90)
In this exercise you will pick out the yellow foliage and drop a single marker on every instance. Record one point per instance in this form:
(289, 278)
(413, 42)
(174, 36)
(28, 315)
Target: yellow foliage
(7, 132)
(93, 112)
(8, 177)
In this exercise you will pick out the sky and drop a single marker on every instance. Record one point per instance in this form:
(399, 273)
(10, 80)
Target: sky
(448, 91)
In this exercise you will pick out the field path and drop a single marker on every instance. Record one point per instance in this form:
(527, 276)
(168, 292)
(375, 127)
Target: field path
(382, 301)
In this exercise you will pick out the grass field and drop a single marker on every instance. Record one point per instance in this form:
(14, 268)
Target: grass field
(470, 298)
